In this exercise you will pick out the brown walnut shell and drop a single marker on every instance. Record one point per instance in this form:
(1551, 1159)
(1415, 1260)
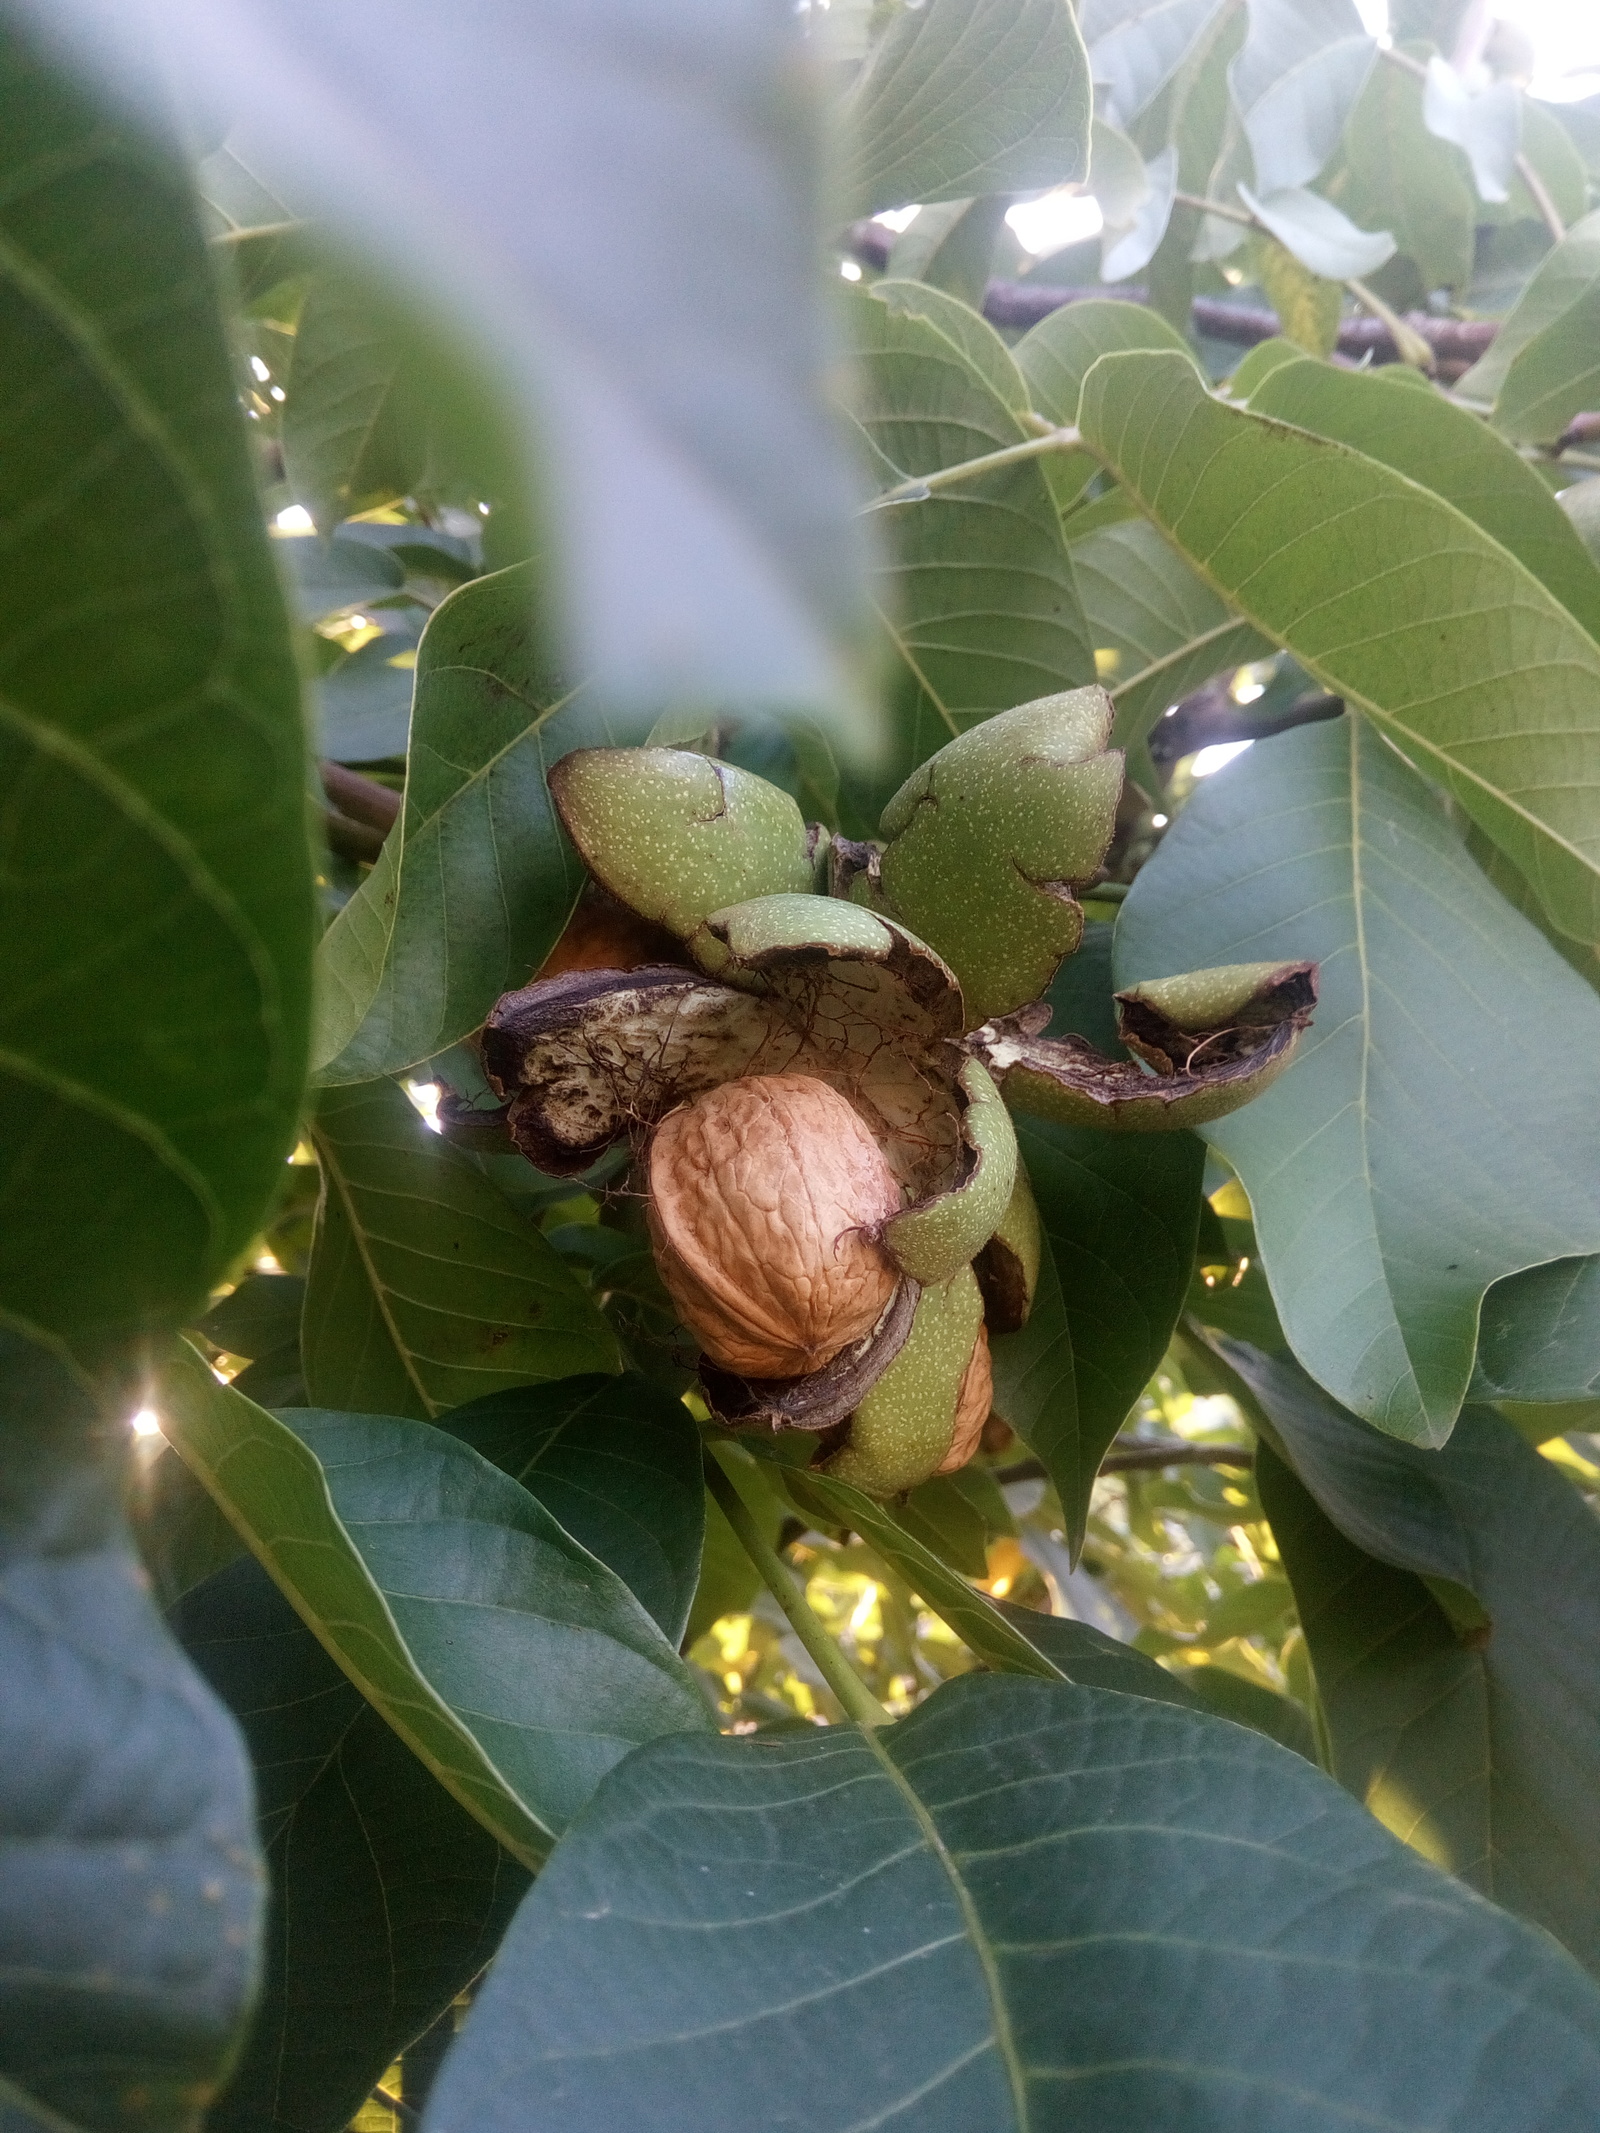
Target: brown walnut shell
(974, 1401)
(766, 1196)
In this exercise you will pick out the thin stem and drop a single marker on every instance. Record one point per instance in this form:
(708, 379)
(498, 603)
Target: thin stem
(855, 1697)
(405, 2112)
(1141, 1458)
(1541, 197)
(1413, 348)
(1218, 207)
(917, 486)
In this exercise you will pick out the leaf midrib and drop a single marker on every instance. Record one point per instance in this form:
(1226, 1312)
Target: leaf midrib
(1004, 2040)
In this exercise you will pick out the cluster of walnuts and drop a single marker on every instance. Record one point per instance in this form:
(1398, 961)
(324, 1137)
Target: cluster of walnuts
(812, 1047)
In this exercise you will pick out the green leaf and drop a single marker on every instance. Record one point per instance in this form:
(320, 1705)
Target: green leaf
(182, 1536)
(333, 577)
(1295, 80)
(355, 425)
(426, 1289)
(1054, 358)
(971, 332)
(729, 1581)
(1539, 1336)
(482, 880)
(1434, 1133)
(962, 97)
(156, 897)
(707, 559)
(1391, 597)
(617, 1461)
(1096, 1661)
(951, 246)
(975, 1618)
(387, 1897)
(1322, 239)
(948, 1515)
(130, 1897)
(1120, 1215)
(1468, 1738)
(364, 703)
(1443, 448)
(1137, 46)
(1169, 631)
(977, 598)
(1551, 325)
(261, 1314)
(502, 1652)
(1400, 176)
(1027, 1904)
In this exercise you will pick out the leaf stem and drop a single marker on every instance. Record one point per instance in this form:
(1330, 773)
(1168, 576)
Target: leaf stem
(1541, 197)
(855, 1697)
(1220, 208)
(1412, 347)
(918, 486)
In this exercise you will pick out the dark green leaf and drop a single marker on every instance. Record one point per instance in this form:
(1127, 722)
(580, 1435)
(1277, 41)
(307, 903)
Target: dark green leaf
(333, 577)
(1391, 597)
(261, 1314)
(1027, 1904)
(364, 702)
(617, 1461)
(729, 1581)
(1448, 1599)
(130, 1895)
(978, 598)
(1454, 1061)
(426, 1289)
(387, 1897)
(501, 1651)
(182, 1535)
(969, 96)
(1120, 1215)
(1539, 1335)
(1096, 1661)
(156, 897)
(477, 879)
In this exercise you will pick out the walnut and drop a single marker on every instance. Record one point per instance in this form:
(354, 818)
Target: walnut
(973, 1402)
(766, 1195)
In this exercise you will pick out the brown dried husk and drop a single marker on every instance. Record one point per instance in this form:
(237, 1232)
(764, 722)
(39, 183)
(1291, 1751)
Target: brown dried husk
(765, 1196)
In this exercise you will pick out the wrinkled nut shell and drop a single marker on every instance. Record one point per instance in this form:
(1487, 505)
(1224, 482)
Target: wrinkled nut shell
(973, 1402)
(762, 1196)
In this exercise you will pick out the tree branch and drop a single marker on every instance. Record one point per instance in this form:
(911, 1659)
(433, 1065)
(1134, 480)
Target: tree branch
(1140, 1459)
(1456, 343)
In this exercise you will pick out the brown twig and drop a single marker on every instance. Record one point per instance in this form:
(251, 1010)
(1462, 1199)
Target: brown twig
(1140, 1458)
(361, 799)
(1019, 304)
